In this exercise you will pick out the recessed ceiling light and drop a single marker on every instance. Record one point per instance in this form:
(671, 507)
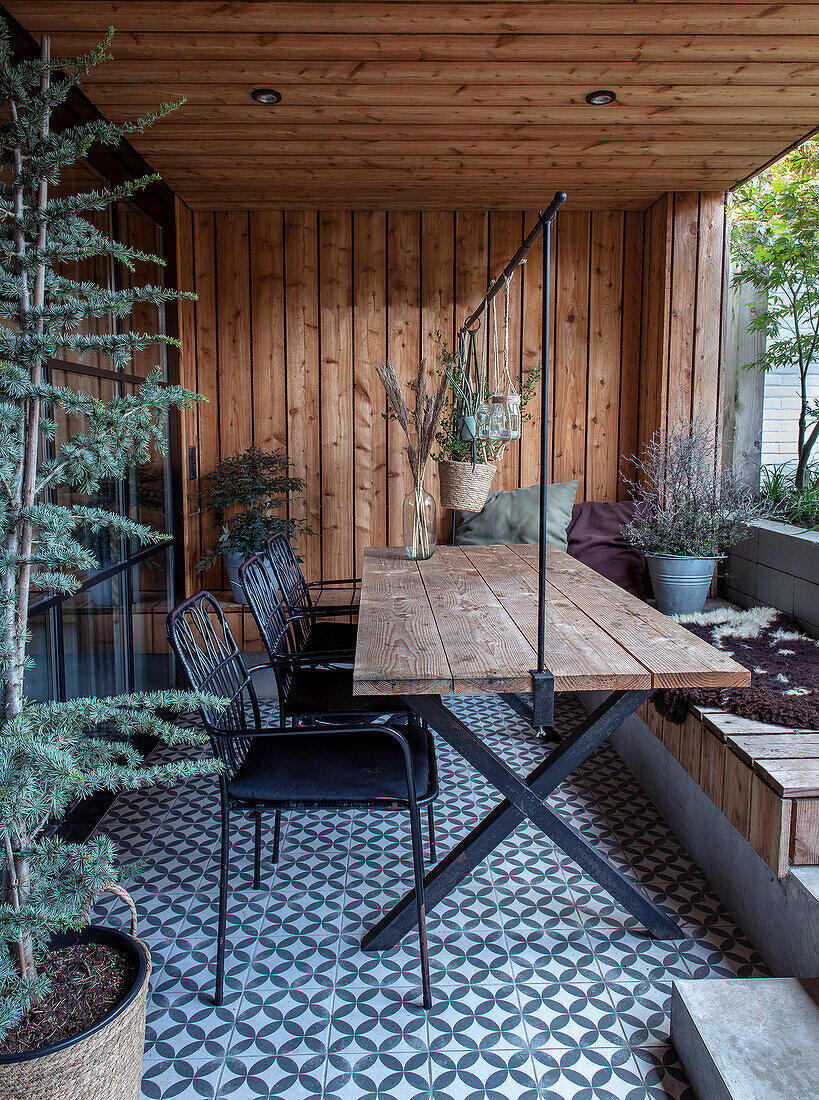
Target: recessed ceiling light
(266, 95)
(601, 97)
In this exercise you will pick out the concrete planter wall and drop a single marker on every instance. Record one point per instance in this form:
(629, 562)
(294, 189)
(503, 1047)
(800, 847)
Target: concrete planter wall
(777, 565)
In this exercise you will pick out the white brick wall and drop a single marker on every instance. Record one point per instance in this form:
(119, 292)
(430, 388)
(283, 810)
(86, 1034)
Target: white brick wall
(781, 412)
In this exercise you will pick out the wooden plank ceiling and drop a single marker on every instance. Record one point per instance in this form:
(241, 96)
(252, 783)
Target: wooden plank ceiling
(477, 104)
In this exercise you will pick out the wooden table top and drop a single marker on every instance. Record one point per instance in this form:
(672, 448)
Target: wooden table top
(465, 621)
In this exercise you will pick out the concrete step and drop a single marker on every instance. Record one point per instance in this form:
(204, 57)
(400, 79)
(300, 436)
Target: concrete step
(748, 1038)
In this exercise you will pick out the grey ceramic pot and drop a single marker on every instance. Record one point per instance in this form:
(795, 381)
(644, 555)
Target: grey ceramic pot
(680, 584)
(232, 563)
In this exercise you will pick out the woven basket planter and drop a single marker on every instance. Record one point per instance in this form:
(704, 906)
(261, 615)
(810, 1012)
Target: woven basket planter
(463, 485)
(102, 1063)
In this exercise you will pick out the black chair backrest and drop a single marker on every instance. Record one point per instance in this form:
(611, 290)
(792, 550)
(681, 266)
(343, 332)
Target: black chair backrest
(293, 587)
(200, 637)
(262, 585)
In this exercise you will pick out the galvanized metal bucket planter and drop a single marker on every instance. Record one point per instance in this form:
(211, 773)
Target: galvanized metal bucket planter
(680, 584)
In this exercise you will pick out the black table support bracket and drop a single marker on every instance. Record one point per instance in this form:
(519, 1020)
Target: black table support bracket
(524, 798)
(520, 704)
(543, 699)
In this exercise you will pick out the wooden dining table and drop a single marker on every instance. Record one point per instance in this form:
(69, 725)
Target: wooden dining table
(464, 622)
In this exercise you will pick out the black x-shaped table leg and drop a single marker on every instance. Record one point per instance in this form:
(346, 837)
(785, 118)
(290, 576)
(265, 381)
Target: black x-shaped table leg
(523, 798)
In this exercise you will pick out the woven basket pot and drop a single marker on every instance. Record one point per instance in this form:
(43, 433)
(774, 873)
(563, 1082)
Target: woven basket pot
(102, 1063)
(463, 485)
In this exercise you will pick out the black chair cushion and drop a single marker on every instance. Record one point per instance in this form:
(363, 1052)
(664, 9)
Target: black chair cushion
(332, 638)
(322, 690)
(342, 768)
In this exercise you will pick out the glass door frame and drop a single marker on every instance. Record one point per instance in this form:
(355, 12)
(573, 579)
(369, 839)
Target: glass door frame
(119, 165)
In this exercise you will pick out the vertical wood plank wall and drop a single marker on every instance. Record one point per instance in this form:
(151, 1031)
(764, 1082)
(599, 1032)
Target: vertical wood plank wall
(295, 308)
(684, 242)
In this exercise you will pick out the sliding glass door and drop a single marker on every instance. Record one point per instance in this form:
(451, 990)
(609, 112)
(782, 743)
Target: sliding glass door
(110, 636)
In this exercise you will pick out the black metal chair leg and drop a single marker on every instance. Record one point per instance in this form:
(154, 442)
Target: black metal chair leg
(418, 868)
(257, 851)
(277, 832)
(431, 828)
(223, 896)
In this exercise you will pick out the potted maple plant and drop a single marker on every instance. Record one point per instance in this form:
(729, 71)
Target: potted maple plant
(72, 996)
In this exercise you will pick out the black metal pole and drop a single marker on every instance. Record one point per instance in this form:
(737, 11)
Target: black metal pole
(544, 218)
(544, 453)
(543, 683)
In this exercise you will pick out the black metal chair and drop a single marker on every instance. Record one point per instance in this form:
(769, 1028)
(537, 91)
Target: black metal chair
(308, 679)
(312, 630)
(303, 768)
(310, 687)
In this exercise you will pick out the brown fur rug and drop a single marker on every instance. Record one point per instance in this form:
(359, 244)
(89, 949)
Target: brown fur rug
(784, 664)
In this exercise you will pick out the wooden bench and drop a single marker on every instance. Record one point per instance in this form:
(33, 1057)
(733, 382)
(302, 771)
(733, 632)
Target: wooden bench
(764, 778)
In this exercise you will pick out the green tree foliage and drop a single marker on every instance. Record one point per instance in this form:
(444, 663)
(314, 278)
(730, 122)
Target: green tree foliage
(775, 248)
(54, 753)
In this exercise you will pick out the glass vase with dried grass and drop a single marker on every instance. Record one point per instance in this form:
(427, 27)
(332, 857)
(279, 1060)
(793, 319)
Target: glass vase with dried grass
(420, 521)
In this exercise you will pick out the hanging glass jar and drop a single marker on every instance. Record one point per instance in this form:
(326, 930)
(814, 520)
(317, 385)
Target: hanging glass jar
(483, 415)
(499, 420)
(513, 416)
(420, 524)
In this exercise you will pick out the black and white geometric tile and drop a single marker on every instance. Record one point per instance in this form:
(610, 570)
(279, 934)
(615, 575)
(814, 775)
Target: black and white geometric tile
(543, 987)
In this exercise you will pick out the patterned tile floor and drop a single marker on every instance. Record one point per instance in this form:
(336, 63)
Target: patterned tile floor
(543, 988)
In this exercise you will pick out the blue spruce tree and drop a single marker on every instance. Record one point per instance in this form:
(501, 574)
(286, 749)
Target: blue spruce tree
(53, 753)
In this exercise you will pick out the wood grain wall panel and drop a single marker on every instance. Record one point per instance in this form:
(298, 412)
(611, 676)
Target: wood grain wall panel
(552, 344)
(303, 375)
(295, 309)
(471, 261)
(683, 296)
(336, 351)
(403, 346)
(657, 257)
(710, 253)
(571, 348)
(605, 321)
(682, 308)
(206, 369)
(186, 282)
(505, 234)
(268, 329)
(630, 346)
(369, 348)
(233, 290)
(531, 352)
(437, 313)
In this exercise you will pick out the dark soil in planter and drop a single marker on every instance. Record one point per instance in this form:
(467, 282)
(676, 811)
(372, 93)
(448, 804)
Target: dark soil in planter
(87, 981)
(784, 668)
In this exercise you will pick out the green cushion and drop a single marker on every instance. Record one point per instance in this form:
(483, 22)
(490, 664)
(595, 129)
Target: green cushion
(513, 517)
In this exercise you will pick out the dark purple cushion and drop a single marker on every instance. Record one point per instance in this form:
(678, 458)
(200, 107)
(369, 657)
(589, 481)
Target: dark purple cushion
(595, 537)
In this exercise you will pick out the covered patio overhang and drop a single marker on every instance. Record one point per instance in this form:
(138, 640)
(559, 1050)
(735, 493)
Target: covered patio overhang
(347, 179)
(406, 156)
